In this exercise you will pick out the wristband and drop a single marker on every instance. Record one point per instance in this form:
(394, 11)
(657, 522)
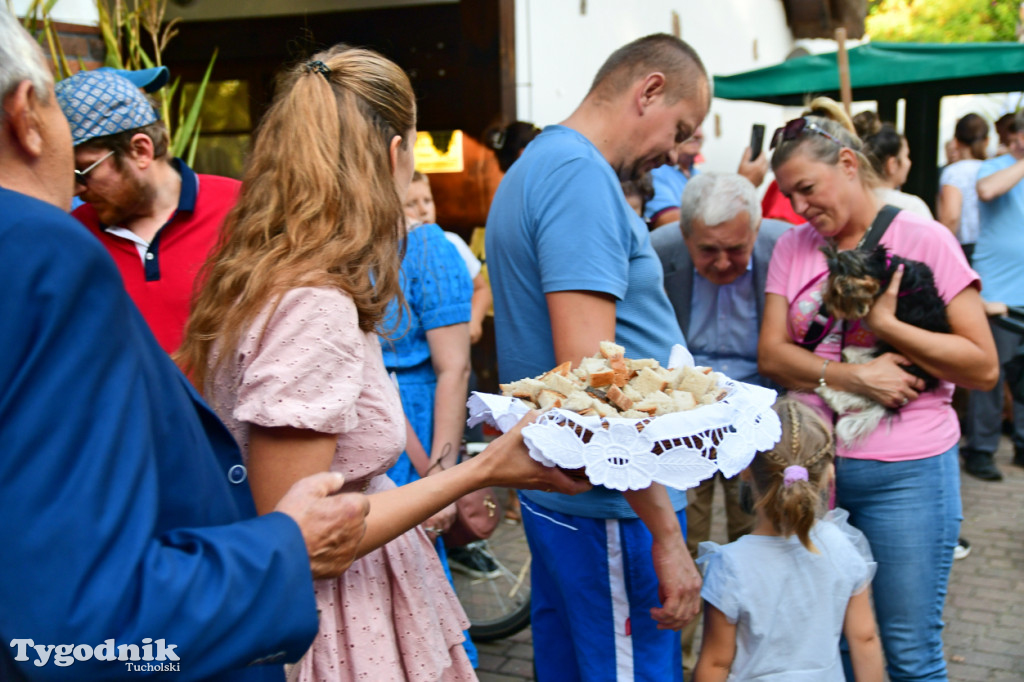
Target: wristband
(821, 379)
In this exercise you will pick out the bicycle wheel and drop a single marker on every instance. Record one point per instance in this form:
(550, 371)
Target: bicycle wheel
(492, 581)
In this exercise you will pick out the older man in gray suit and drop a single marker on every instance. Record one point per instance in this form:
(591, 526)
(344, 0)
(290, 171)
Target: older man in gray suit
(715, 261)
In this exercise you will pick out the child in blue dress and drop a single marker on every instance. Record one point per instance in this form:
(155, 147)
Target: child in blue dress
(776, 601)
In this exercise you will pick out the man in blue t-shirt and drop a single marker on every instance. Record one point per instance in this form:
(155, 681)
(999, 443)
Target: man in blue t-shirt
(571, 265)
(999, 260)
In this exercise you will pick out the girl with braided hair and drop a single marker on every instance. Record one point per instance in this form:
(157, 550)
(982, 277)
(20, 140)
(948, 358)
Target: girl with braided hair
(777, 600)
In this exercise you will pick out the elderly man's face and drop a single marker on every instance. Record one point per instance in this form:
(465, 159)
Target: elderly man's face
(720, 253)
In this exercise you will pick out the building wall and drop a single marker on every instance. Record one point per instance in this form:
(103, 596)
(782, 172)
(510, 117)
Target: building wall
(69, 11)
(200, 11)
(560, 46)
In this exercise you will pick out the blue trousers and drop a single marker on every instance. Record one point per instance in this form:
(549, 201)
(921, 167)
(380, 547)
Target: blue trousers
(593, 585)
(910, 512)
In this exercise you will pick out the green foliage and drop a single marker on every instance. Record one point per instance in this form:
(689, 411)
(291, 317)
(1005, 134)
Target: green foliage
(37, 22)
(942, 21)
(122, 25)
(188, 128)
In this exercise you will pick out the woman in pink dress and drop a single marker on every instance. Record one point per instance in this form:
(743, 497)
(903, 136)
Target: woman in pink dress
(283, 340)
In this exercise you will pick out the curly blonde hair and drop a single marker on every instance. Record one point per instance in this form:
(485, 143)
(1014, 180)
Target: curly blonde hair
(318, 205)
(806, 442)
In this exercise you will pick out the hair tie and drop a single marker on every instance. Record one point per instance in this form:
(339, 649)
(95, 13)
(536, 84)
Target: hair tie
(318, 67)
(793, 473)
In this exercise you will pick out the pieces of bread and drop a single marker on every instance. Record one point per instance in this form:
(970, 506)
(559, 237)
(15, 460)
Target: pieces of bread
(563, 369)
(548, 398)
(578, 401)
(648, 381)
(637, 365)
(524, 388)
(610, 349)
(631, 388)
(619, 399)
(695, 381)
(620, 371)
(561, 383)
(683, 400)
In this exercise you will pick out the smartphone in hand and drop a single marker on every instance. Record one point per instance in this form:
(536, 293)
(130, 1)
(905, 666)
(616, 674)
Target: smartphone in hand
(756, 140)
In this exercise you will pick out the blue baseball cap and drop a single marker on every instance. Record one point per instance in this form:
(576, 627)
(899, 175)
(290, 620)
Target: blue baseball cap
(104, 102)
(149, 80)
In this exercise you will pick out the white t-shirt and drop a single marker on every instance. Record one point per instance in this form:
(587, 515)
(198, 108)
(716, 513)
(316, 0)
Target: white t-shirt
(964, 176)
(788, 604)
(472, 264)
(905, 201)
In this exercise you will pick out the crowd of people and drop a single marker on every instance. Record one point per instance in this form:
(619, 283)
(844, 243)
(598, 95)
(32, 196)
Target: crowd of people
(232, 410)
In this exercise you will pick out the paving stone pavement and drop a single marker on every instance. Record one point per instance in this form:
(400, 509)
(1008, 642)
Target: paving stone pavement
(984, 613)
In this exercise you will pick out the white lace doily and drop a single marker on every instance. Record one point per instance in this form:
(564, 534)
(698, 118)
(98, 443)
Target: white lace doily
(678, 450)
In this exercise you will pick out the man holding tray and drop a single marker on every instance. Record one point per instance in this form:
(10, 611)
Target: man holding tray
(571, 265)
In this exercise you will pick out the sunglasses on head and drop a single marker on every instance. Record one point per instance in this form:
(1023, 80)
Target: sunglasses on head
(797, 127)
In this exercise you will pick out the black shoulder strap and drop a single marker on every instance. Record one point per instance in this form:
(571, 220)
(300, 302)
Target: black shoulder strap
(822, 324)
(878, 227)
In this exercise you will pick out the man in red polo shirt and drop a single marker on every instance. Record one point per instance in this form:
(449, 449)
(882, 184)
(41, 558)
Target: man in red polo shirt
(156, 217)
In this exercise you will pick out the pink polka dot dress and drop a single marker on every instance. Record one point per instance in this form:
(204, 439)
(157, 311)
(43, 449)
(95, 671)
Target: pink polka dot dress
(392, 615)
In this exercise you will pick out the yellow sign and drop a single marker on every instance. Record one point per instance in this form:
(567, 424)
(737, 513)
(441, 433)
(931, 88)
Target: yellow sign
(439, 152)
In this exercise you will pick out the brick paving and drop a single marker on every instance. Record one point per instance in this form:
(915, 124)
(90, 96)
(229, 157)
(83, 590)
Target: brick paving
(984, 610)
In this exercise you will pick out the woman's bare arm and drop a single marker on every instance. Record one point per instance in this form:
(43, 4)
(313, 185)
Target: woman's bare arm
(778, 358)
(479, 305)
(279, 456)
(449, 354)
(950, 207)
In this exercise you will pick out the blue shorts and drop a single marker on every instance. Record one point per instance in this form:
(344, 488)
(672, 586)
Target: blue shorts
(593, 586)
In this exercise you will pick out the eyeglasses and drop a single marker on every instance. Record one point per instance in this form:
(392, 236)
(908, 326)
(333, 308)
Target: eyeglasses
(81, 176)
(797, 127)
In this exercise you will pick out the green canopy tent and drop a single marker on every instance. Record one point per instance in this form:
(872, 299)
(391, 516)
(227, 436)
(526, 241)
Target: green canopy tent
(919, 73)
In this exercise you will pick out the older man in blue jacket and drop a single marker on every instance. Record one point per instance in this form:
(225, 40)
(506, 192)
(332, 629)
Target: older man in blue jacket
(128, 538)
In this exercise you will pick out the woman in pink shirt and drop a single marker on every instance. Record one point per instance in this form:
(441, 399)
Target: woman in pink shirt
(901, 482)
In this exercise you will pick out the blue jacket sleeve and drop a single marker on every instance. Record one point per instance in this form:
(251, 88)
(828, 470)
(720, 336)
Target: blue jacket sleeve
(118, 520)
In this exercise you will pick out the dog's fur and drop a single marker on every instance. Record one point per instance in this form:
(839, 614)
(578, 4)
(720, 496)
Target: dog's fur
(856, 279)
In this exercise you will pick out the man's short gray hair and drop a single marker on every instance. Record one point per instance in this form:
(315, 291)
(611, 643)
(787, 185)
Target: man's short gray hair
(21, 59)
(714, 198)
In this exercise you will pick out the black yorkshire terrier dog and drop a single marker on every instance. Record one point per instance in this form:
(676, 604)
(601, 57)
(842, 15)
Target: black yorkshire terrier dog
(856, 279)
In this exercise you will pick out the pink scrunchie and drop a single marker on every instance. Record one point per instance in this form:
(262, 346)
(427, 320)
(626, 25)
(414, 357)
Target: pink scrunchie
(793, 473)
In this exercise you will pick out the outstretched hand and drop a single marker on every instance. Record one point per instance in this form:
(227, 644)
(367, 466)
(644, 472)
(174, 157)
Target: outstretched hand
(509, 465)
